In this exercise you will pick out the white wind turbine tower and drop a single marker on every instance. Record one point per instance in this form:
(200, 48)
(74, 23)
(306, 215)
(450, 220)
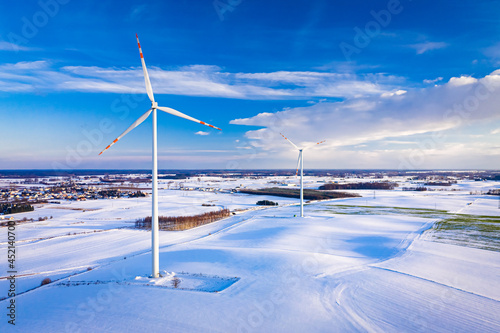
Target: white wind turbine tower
(301, 161)
(155, 247)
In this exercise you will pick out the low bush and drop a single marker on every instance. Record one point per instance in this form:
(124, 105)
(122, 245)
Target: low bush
(266, 203)
(46, 281)
(360, 186)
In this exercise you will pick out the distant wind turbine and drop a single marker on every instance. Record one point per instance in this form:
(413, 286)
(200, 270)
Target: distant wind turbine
(155, 246)
(300, 161)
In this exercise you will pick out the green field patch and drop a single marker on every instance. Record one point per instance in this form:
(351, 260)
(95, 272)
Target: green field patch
(384, 210)
(478, 231)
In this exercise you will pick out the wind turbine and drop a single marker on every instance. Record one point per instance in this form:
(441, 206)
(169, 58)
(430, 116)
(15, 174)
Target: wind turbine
(155, 246)
(301, 161)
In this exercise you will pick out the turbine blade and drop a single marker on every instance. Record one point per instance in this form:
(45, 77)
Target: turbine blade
(293, 144)
(149, 89)
(185, 116)
(298, 162)
(312, 145)
(131, 127)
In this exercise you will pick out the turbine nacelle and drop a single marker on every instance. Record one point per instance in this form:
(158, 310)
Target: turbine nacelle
(154, 105)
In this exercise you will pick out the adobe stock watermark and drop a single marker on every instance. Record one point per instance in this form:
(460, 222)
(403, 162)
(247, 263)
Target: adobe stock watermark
(223, 6)
(94, 138)
(460, 113)
(32, 25)
(373, 28)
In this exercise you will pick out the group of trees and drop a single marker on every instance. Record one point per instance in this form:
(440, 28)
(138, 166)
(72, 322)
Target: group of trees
(295, 193)
(12, 208)
(360, 186)
(137, 194)
(418, 188)
(441, 183)
(177, 223)
(110, 193)
(176, 176)
(266, 203)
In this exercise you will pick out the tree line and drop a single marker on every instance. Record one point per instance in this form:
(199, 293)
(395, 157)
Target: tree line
(10, 208)
(418, 188)
(266, 203)
(360, 186)
(437, 183)
(295, 193)
(177, 223)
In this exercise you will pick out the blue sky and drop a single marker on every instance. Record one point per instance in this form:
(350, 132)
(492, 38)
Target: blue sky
(388, 84)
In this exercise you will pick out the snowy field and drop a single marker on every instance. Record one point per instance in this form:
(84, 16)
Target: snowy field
(367, 264)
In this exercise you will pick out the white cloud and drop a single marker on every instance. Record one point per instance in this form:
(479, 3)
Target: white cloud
(196, 80)
(25, 65)
(202, 133)
(381, 120)
(462, 80)
(399, 142)
(299, 78)
(398, 92)
(421, 48)
(434, 81)
(495, 131)
(7, 46)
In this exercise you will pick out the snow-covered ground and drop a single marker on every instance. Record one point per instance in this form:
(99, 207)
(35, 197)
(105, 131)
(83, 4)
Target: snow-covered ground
(363, 270)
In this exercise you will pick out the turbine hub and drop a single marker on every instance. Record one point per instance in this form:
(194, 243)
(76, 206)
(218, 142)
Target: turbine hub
(154, 105)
